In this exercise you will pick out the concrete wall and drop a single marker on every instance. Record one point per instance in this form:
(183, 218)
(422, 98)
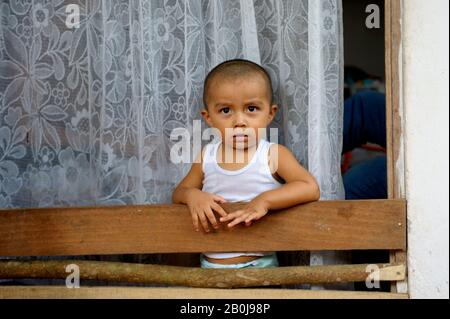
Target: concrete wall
(426, 102)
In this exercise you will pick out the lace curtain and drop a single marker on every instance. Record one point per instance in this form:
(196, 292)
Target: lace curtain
(86, 113)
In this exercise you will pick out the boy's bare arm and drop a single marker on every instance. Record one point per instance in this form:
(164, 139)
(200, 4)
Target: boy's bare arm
(301, 187)
(192, 182)
(201, 205)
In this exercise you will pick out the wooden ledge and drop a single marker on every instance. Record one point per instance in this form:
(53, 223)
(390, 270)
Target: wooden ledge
(327, 225)
(52, 292)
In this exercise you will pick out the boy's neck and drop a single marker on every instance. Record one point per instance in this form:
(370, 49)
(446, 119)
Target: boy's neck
(230, 154)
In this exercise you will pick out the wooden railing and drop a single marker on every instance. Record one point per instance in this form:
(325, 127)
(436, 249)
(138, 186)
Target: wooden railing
(153, 229)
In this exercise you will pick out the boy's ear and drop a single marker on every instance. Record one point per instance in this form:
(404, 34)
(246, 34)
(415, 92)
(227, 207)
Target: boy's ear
(273, 112)
(206, 117)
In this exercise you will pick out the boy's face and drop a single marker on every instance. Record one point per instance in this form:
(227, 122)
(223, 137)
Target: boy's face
(238, 108)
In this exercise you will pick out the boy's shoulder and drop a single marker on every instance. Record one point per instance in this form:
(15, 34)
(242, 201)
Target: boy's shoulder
(278, 150)
(278, 154)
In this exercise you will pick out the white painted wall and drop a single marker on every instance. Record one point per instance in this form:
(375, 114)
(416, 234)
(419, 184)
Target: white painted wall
(426, 105)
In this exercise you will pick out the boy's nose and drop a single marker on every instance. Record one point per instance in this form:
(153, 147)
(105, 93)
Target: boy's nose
(239, 121)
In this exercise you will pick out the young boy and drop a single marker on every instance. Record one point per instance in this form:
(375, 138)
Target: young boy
(238, 103)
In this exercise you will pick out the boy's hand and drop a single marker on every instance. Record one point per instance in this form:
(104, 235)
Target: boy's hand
(202, 207)
(254, 210)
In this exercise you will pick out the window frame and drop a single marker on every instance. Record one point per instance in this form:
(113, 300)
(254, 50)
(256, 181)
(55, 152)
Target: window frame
(395, 127)
(395, 116)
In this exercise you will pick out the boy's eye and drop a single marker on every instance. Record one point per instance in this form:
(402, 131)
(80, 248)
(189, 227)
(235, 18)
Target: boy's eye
(252, 109)
(225, 110)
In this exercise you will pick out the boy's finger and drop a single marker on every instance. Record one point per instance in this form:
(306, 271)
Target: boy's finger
(212, 219)
(219, 210)
(203, 221)
(219, 199)
(237, 221)
(195, 220)
(254, 216)
(232, 216)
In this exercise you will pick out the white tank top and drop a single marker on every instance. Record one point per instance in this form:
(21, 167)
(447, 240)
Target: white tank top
(238, 186)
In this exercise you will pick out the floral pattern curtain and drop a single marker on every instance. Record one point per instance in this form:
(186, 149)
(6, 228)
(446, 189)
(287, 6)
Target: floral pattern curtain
(86, 113)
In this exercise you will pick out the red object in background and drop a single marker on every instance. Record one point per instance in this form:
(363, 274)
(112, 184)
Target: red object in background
(347, 157)
(374, 148)
(346, 162)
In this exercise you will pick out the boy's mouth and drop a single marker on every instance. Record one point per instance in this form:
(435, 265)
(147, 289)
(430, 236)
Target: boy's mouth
(240, 137)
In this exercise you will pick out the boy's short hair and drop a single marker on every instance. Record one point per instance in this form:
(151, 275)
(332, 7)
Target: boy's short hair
(233, 69)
